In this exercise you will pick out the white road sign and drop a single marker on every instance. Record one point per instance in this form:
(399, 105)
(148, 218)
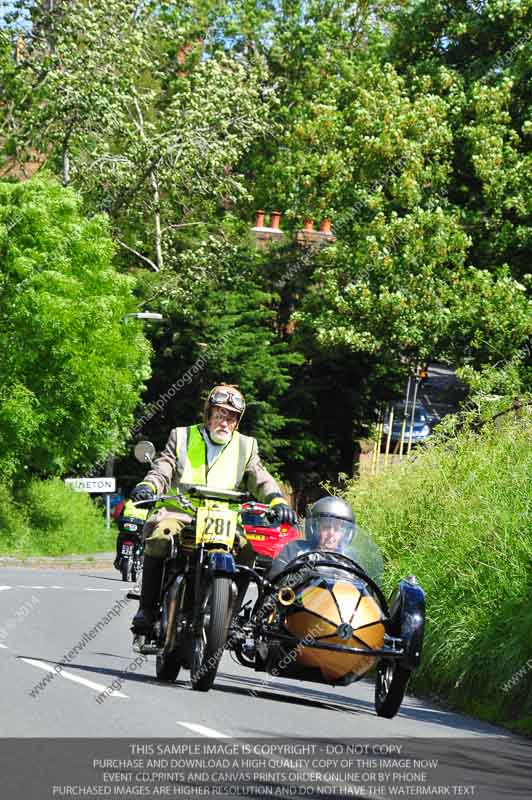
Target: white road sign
(92, 485)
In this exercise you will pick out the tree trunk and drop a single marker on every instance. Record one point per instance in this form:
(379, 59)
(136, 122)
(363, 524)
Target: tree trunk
(158, 232)
(66, 164)
(156, 193)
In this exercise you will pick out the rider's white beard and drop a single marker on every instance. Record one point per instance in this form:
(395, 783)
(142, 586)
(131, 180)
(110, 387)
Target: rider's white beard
(220, 437)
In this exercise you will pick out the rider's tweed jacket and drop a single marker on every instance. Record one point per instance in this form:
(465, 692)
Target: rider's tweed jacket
(252, 476)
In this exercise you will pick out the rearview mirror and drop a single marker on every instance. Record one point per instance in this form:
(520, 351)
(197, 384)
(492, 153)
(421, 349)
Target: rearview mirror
(144, 451)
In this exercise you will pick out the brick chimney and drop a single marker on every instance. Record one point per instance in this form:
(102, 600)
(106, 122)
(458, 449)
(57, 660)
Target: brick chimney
(307, 236)
(264, 234)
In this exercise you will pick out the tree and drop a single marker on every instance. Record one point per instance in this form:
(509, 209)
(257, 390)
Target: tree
(148, 139)
(477, 56)
(221, 327)
(71, 371)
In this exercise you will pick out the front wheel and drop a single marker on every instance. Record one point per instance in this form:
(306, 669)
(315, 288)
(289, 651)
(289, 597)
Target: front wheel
(209, 643)
(167, 666)
(390, 687)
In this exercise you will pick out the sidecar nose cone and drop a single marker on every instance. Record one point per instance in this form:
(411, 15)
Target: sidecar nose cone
(344, 631)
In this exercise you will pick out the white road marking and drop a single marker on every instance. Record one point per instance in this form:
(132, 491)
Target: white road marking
(25, 586)
(3, 588)
(92, 589)
(203, 731)
(70, 677)
(3, 645)
(56, 587)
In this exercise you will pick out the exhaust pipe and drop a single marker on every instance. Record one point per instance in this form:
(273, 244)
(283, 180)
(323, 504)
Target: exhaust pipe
(286, 596)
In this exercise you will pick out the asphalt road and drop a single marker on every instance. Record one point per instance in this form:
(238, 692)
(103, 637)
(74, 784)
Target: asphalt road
(46, 615)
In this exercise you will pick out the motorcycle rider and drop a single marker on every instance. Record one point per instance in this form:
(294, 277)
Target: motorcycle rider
(129, 512)
(329, 525)
(213, 454)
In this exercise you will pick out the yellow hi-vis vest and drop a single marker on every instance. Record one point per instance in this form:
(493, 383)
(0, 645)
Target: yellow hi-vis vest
(228, 468)
(225, 472)
(131, 510)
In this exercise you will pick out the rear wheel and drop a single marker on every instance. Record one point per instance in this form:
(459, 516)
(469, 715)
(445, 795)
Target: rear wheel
(125, 569)
(138, 570)
(390, 687)
(209, 644)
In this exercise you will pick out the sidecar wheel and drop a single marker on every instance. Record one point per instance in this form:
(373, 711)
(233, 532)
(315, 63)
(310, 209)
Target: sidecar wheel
(167, 667)
(208, 647)
(390, 686)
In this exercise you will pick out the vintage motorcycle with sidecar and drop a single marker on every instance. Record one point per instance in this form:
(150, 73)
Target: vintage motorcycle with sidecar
(324, 618)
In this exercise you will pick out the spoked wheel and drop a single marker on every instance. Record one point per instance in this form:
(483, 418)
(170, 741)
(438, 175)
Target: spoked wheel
(390, 687)
(208, 645)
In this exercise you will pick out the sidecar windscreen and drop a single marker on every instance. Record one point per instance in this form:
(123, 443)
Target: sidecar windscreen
(365, 552)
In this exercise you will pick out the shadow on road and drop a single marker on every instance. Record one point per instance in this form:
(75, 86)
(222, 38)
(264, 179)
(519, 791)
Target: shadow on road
(301, 695)
(255, 687)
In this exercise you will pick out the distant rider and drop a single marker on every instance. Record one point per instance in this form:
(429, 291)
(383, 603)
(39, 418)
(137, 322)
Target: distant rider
(129, 512)
(214, 454)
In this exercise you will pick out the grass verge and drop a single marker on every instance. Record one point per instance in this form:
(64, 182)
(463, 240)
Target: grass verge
(48, 518)
(460, 518)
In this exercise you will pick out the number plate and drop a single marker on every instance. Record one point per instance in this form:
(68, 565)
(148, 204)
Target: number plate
(216, 526)
(127, 549)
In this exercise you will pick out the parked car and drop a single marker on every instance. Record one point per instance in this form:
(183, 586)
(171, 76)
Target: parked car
(266, 539)
(422, 427)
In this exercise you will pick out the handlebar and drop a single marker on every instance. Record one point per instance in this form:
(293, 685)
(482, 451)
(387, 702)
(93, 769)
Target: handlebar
(206, 492)
(268, 513)
(195, 490)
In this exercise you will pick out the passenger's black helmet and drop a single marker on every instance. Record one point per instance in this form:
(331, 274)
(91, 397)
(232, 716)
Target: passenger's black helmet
(329, 512)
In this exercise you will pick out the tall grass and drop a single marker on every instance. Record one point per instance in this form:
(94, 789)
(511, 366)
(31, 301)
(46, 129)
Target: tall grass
(460, 518)
(48, 518)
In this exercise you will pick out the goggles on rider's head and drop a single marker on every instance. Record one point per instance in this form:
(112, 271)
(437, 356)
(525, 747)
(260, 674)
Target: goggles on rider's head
(226, 397)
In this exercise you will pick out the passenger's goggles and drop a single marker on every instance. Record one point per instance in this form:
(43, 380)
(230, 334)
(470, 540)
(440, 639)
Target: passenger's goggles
(223, 396)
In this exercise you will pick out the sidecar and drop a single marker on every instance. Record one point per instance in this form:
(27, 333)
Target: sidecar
(325, 619)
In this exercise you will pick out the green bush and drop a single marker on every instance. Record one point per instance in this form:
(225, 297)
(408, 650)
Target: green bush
(51, 519)
(14, 529)
(460, 518)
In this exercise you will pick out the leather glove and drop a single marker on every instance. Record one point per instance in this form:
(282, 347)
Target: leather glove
(142, 492)
(285, 514)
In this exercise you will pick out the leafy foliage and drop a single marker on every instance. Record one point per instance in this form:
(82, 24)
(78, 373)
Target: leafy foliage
(127, 111)
(405, 123)
(70, 369)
